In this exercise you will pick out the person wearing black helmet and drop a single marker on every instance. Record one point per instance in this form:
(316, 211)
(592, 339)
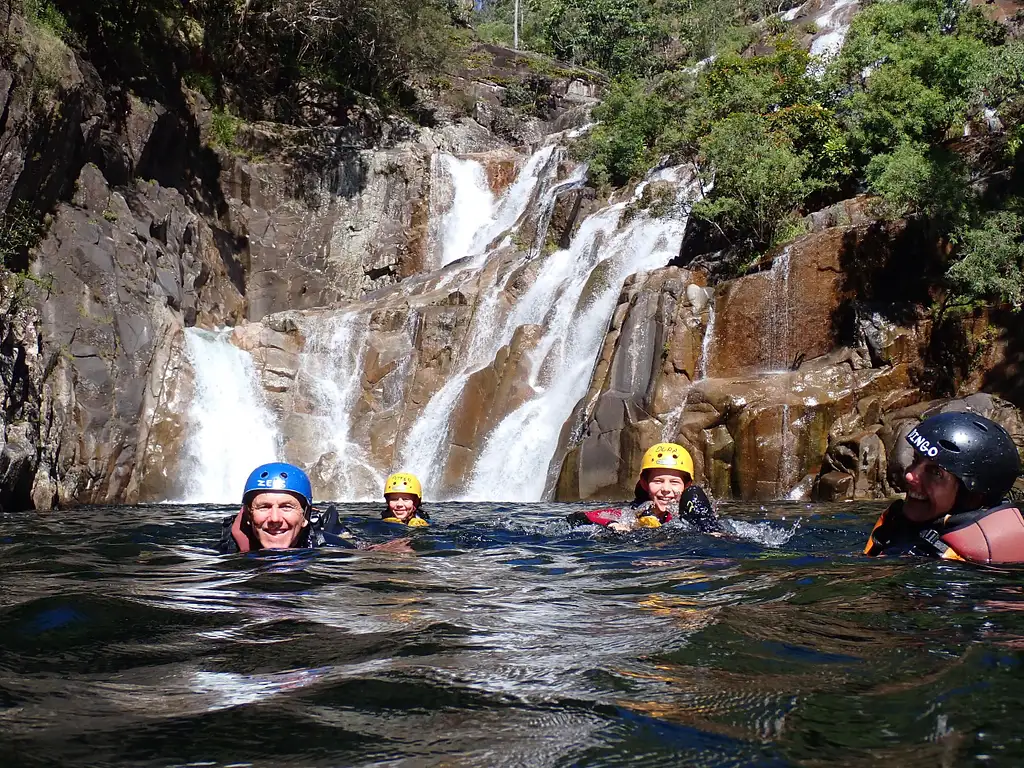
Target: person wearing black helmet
(955, 508)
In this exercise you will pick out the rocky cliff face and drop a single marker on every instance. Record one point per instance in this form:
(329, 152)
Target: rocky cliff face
(795, 381)
(440, 299)
(151, 231)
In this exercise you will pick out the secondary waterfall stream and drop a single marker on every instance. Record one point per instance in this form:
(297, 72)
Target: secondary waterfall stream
(232, 429)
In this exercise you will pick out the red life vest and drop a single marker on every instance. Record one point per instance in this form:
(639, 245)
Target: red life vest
(604, 517)
(993, 536)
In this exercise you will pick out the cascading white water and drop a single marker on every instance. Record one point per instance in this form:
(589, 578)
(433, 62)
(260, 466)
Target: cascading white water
(776, 353)
(335, 350)
(537, 175)
(833, 26)
(513, 464)
(775, 343)
(706, 342)
(472, 204)
(425, 449)
(231, 430)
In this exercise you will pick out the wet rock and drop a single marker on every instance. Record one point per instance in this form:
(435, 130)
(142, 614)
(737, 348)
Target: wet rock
(834, 486)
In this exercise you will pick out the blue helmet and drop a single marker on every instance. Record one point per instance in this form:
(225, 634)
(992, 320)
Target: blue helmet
(278, 476)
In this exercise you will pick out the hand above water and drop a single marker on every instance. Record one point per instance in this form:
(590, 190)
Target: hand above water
(398, 546)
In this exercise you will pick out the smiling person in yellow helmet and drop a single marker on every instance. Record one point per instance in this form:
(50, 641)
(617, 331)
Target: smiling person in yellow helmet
(404, 497)
(664, 485)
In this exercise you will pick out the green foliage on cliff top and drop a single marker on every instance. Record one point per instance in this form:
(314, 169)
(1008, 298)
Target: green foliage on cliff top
(294, 62)
(627, 37)
(773, 137)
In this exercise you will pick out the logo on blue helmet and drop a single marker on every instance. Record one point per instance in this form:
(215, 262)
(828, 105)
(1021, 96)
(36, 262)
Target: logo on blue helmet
(278, 476)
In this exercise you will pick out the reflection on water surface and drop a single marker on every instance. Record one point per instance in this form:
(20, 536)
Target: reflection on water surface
(506, 640)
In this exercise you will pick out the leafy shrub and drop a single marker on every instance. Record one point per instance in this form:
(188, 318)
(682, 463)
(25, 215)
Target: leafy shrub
(625, 144)
(43, 13)
(926, 63)
(758, 180)
(991, 263)
(21, 228)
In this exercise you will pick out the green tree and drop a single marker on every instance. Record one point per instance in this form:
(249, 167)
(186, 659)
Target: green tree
(633, 121)
(913, 70)
(991, 263)
(757, 178)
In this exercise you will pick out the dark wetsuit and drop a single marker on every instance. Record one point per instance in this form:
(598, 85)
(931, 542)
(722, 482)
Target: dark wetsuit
(694, 507)
(324, 530)
(987, 536)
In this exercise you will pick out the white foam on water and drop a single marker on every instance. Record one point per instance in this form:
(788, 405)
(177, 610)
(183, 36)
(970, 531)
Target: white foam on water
(768, 534)
(231, 430)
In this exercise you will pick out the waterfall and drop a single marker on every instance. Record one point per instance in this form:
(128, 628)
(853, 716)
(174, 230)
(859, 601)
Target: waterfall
(231, 430)
(336, 347)
(536, 176)
(425, 449)
(472, 203)
(775, 343)
(776, 352)
(706, 342)
(833, 26)
(580, 285)
(671, 425)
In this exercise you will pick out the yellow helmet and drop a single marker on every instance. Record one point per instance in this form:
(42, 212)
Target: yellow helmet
(667, 456)
(403, 482)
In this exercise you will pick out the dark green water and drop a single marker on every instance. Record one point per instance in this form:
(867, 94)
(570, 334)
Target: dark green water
(506, 640)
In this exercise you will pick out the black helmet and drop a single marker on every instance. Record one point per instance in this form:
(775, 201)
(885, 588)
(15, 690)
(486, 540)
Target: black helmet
(975, 449)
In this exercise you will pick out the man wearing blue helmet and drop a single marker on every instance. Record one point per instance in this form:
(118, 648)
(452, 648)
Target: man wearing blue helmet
(277, 513)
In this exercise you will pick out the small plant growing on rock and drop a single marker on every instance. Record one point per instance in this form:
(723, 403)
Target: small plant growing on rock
(20, 229)
(224, 129)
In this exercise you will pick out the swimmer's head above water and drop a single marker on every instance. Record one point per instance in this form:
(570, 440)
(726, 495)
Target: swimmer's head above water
(962, 461)
(275, 505)
(404, 497)
(665, 472)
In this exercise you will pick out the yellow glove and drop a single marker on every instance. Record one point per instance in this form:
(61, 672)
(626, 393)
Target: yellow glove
(417, 522)
(648, 521)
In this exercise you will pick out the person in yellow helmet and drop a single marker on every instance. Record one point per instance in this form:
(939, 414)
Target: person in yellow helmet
(664, 485)
(404, 497)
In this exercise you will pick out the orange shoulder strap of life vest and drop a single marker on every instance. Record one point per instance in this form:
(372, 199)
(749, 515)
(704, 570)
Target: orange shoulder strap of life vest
(873, 546)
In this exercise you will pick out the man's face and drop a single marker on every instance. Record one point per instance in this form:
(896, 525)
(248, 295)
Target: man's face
(931, 491)
(402, 505)
(277, 519)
